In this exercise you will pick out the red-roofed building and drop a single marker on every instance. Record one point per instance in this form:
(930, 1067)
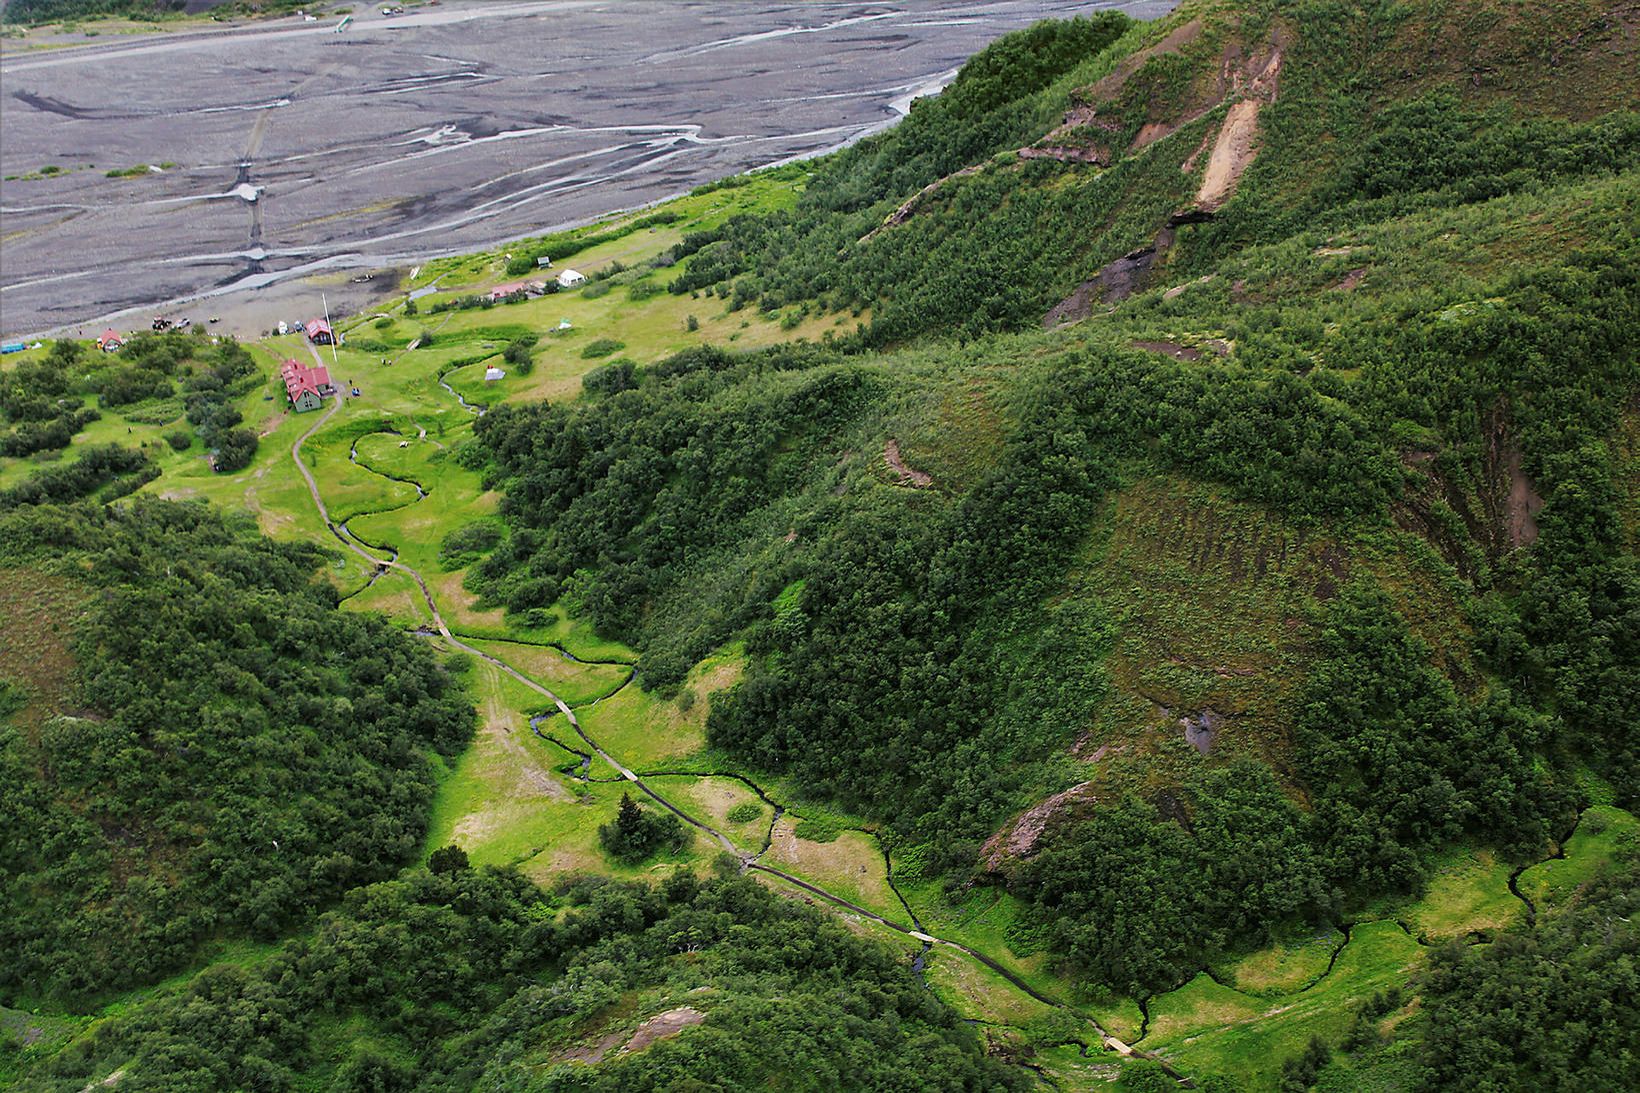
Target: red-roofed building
(318, 332)
(513, 288)
(109, 341)
(307, 387)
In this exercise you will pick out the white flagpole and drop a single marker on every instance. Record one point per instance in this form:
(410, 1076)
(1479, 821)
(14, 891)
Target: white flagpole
(332, 329)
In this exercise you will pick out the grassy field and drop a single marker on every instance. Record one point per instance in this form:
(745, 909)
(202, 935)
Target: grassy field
(1248, 1017)
(1604, 834)
(1468, 894)
(1210, 1027)
(1214, 596)
(649, 733)
(37, 613)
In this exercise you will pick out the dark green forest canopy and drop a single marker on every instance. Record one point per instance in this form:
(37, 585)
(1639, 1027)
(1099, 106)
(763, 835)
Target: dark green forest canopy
(1555, 1007)
(1411, 340)
(914, 653)
(230, 755)
(478, 979)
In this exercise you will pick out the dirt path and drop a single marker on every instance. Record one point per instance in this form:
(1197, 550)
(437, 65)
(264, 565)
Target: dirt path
(748, 859)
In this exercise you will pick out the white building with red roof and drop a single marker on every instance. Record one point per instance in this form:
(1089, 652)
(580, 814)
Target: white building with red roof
(110, 341)
(306, 387)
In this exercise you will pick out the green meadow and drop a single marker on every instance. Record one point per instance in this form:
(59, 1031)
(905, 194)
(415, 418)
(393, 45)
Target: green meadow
(388, 464)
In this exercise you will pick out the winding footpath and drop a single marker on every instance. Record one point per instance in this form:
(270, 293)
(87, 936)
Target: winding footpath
(748, 860)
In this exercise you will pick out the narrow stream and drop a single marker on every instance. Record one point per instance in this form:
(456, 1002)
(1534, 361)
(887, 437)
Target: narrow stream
(749, 861)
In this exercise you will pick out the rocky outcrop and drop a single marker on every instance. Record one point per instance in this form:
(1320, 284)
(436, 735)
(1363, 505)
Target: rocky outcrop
(1019, 838)
(903, 213)
(1115, 282)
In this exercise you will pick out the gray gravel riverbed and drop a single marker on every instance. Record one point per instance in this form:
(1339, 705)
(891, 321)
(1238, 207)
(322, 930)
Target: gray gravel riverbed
(300, 151)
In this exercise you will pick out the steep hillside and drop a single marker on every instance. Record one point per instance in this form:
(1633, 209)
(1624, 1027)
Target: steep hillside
(1151, 538)
(1357, 117)
(1292, 550)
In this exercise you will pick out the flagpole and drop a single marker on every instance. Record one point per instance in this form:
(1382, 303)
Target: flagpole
(332, 329)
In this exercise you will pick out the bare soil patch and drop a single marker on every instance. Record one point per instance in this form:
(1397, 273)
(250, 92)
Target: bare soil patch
(662, 1026)
(1233, 150)
(908, 476)
(590, 1053)
(1172, 349)
(1523, 503)
(1351, 279)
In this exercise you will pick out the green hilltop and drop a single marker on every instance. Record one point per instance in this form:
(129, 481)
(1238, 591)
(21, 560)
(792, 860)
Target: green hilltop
(1147, 545)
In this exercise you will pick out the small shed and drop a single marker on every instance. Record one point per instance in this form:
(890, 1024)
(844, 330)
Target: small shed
(109, 341)
(492, 373)
(543, 262)
(318, 332)
(569, 279)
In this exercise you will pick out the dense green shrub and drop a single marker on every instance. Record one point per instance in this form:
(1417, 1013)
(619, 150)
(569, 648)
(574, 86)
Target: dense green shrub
(466, 544)
(1553, 1007)
(612, 378)
(637, 833)
(236, 756)
(496, 979)
(105, 472)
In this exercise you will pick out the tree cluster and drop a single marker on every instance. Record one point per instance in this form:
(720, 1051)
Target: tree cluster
(466, 979)
(235, 755)
(637, 833)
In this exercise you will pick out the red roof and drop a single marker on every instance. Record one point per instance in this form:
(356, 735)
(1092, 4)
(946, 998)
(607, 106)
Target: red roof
(299, 377)
(317, 327)
(110, 335)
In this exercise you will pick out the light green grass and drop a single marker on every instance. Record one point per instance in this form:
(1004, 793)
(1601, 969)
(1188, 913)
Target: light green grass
(710, 799)
(506, 802)
(1468, 892)
(574, 682)
(1206, 1028)
(972, 988)
(1286, 966)
(1605, 834)
(395, 595)
(850, 866)
(647, 732)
